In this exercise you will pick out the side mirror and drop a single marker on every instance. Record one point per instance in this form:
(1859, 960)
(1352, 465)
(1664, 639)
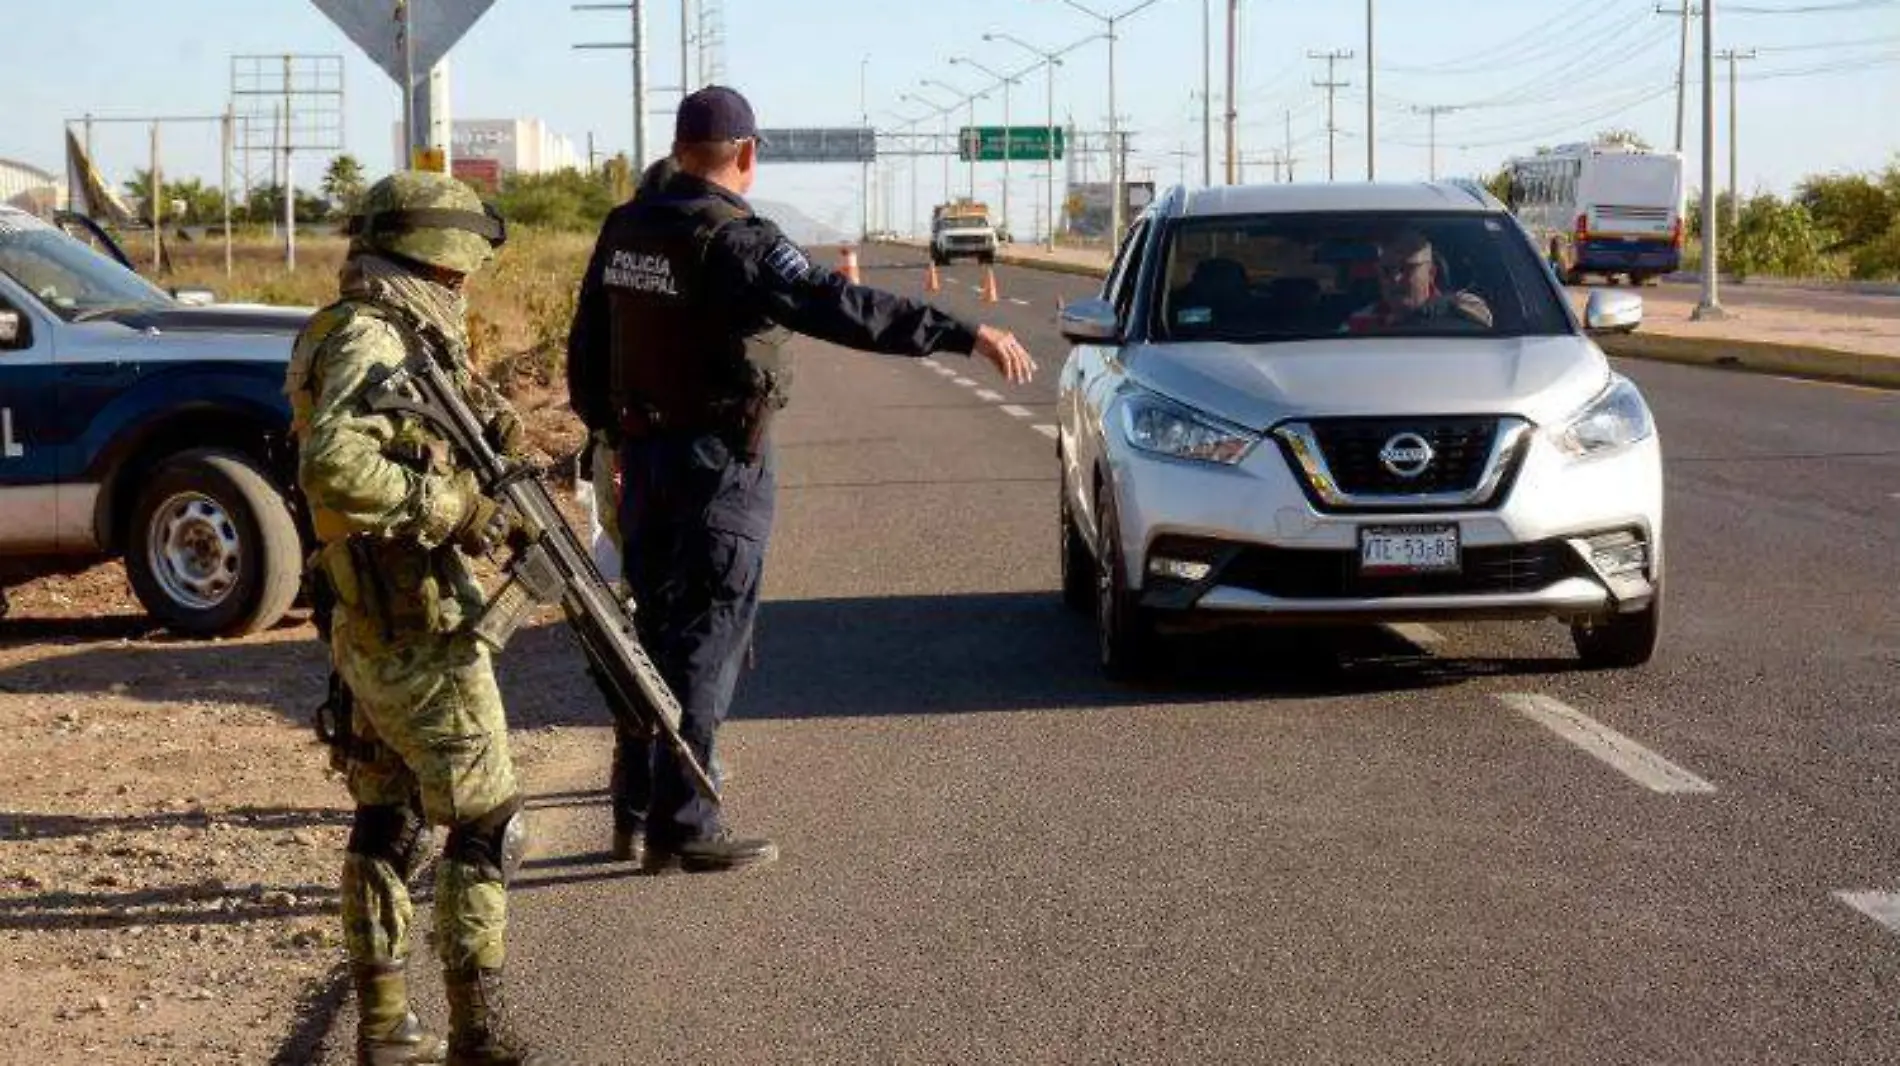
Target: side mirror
(1089, 322)
(194, 296)
(12, 329)
(1612, 312)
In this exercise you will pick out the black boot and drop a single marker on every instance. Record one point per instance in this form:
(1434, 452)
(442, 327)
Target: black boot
(387, 1034)
(630, 845)
(713, 854)
(479, 1031)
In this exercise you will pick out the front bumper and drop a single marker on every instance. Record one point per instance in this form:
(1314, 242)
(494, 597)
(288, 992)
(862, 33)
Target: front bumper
(1557, 545)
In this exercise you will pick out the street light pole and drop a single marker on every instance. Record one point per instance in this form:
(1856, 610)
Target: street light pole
(1116, 178)
(864, 167)
(1207, 93)
(1710, 306)
(1008, 130)
(1050, 61)
(1233, 78)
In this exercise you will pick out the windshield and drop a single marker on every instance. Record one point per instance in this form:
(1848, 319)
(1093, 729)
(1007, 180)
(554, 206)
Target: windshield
(1304, 276)
(963, 221)
(67, 276)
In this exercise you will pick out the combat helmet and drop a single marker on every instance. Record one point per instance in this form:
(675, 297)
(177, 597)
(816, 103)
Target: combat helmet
(427, 218)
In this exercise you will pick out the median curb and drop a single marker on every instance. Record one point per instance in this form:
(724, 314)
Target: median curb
(1761, 357)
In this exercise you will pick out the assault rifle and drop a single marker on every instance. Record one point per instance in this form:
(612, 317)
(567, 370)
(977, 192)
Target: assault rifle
(549, 566)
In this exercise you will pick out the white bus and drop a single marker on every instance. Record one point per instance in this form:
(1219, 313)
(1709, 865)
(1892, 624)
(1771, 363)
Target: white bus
(1602, 209)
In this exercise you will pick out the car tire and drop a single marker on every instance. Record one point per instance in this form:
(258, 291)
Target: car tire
(987, 258)
(1078, 566)
(212, 550)
(1124, 633)
(1621, 641)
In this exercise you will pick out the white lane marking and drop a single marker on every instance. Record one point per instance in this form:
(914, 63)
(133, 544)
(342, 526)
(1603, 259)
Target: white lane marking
(965, 382)
(1622, 754)
(987, 395)
(1019, 302)
(1882, 907)
(1047, 431)
(1422, 635)
(1013, 410)
(929, 360)
(944, 370)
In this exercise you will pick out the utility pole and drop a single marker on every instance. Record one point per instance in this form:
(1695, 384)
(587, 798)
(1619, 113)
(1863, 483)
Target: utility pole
(1710, 306)
(1685, 12)
(1431, 113)
(637, 44)
(864, 166)
(1289, 145)
(1233, 77)
(1331, 84)
(1372, 98)
(1207, 93)
(1734, 192)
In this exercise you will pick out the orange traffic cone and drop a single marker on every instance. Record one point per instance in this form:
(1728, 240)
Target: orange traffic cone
(932, 283)
(850, 266)
(989, 285)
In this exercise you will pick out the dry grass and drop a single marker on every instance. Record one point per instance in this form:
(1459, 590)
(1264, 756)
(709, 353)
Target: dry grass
(519, 308)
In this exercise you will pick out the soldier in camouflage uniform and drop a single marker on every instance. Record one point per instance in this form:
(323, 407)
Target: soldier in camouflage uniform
(397, 517)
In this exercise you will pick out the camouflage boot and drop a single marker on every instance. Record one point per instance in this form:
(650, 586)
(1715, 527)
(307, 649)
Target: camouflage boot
(479, 1031)
(387, 1034)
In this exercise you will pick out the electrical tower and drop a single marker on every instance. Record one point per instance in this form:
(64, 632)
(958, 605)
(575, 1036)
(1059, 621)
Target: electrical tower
(1332, 84)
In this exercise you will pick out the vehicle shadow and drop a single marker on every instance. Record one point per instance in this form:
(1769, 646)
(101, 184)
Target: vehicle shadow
(826, 658)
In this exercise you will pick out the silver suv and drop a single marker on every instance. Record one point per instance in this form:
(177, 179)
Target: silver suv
(1351, 403)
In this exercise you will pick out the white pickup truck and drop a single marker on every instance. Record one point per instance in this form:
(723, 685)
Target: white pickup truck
(962, 228)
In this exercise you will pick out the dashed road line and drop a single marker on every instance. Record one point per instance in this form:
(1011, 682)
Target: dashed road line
(1619, 752)
(1882, 907)
(1045, 430)
(992, 397)
(1014, 411)
(1019, 302)
(965, 382)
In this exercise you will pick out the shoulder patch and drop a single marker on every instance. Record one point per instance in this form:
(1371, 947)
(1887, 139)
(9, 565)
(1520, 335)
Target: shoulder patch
(786, 260)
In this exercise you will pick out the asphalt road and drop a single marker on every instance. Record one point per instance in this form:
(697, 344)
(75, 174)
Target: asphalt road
(1351, 848)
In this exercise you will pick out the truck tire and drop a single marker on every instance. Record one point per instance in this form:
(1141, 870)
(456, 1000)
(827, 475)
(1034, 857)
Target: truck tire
(212, 550)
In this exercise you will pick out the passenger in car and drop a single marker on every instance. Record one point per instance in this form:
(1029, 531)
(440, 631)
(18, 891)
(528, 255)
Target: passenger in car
(1411, 292)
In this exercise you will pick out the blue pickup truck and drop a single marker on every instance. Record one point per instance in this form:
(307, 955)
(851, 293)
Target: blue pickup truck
(137, 426)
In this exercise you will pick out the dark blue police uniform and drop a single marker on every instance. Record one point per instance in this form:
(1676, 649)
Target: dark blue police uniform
(677, 342)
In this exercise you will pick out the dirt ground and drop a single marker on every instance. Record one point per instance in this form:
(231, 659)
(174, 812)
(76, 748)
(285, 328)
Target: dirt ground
(170, 833)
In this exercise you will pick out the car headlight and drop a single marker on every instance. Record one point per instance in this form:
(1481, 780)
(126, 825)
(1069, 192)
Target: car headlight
(1168, 428)
(1616, 419)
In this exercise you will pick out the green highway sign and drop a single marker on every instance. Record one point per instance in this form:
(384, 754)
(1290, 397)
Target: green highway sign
(985, 143)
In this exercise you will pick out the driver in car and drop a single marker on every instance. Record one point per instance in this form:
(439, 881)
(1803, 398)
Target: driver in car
(1409, 293)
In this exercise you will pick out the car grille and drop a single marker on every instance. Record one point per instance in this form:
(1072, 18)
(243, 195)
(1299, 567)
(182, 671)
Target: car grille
(1460, 447)
(1308, 574)
(1339, 465)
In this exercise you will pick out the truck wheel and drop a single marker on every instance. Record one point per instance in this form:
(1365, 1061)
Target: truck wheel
(212, 549)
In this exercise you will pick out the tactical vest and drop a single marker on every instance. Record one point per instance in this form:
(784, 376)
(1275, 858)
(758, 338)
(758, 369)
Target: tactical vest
(678, 362)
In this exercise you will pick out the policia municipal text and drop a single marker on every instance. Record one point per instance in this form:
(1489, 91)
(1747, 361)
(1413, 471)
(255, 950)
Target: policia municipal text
(677, 355)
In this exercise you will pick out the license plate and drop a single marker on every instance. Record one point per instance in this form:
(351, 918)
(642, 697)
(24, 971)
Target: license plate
(1408, 549)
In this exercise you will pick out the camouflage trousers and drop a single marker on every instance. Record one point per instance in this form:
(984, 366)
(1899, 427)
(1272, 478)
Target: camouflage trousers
(428, 708)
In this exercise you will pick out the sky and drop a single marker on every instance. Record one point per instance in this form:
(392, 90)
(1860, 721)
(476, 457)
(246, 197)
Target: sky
(1821, 95)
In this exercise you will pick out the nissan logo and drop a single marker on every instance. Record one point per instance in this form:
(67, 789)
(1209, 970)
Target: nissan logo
(1406, 455)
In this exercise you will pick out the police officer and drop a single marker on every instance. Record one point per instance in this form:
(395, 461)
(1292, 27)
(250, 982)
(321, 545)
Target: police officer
(398, 516)
(677, 345)
(600, 457)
